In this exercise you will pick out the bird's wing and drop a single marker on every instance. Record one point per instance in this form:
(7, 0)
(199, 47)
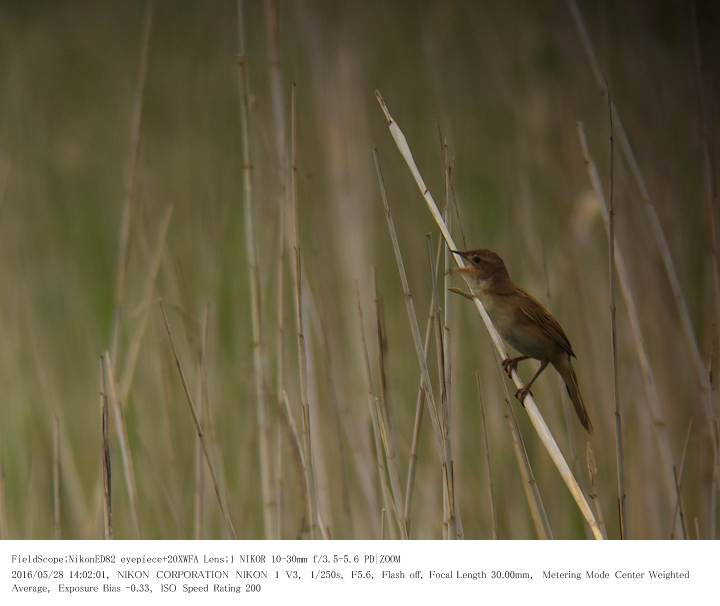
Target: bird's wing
(536, 312)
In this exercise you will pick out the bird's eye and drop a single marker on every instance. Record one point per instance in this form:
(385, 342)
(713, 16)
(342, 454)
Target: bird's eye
(476, 259)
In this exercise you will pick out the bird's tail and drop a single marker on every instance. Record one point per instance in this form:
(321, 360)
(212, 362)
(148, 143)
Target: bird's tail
(571, 383)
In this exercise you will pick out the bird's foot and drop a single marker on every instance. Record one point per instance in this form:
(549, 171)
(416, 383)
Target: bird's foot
(521, 394)
(510, 364)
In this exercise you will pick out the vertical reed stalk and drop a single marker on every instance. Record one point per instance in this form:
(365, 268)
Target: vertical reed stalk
(305, 400)
(619, 449)
(264, 428)
(131, 179)
(105, 462)
(57, 489)
(125, 452)
(486, 444)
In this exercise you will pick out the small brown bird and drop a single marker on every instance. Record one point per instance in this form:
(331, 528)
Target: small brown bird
(524, 323)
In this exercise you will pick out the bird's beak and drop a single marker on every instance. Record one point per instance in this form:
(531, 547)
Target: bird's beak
(457, 252)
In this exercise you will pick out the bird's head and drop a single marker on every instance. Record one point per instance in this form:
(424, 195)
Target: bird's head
(483, 264)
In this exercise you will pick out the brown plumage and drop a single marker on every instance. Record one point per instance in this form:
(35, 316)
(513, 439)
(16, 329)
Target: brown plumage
(524, 323)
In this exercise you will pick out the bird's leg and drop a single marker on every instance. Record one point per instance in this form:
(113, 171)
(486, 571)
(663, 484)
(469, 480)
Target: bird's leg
(510, 364)
(524, 391)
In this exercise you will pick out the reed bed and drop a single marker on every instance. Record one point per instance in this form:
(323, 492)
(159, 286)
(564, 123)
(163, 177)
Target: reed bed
(204, 204)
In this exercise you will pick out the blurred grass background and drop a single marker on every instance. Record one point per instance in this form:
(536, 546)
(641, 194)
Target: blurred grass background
(505, 82)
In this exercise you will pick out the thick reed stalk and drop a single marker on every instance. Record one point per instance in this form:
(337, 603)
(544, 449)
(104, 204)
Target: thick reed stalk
(264, 428)
(530, 406)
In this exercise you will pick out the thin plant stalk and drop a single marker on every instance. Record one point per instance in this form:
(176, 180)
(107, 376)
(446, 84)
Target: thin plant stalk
(486, 448)
(532, 493)
(530, 406)
(198, 428)
(711, 199)
(131, 179)
(385, 450)
(133, 352)
(304, 400)
(419, 408)
(679, 477)
(203, 419)
(449, 523)
(125, 452)
(57, 488)
(649, 204)
(619, 448)
(264, 429)
(300, 451)
(105, 461)
(3, 508)
(383, 412)
(593, 494)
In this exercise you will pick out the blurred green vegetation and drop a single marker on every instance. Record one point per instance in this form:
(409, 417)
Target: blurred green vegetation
(505, 83)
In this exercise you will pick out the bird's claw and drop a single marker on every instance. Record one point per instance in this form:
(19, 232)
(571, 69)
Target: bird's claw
(509, 364)
(521, 394)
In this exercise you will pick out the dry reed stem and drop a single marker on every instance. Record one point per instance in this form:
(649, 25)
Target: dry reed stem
(384, 417)
(57, 488)
(269, 507)
(297, 443)
(419, 408)
(3, 507)
(204, 420)
(121, 429)
(146, 305)
(131, 179)
(679, 477)
(530, 487)
(655, 409)
(530, 406)
(382, 477)
(305, 400)
(386, 459)
(198, 428)
(449, 523)
(619, 449)
(486, 448)
(653, 219)
(711, 203)
(105, 462)
(593, 494)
